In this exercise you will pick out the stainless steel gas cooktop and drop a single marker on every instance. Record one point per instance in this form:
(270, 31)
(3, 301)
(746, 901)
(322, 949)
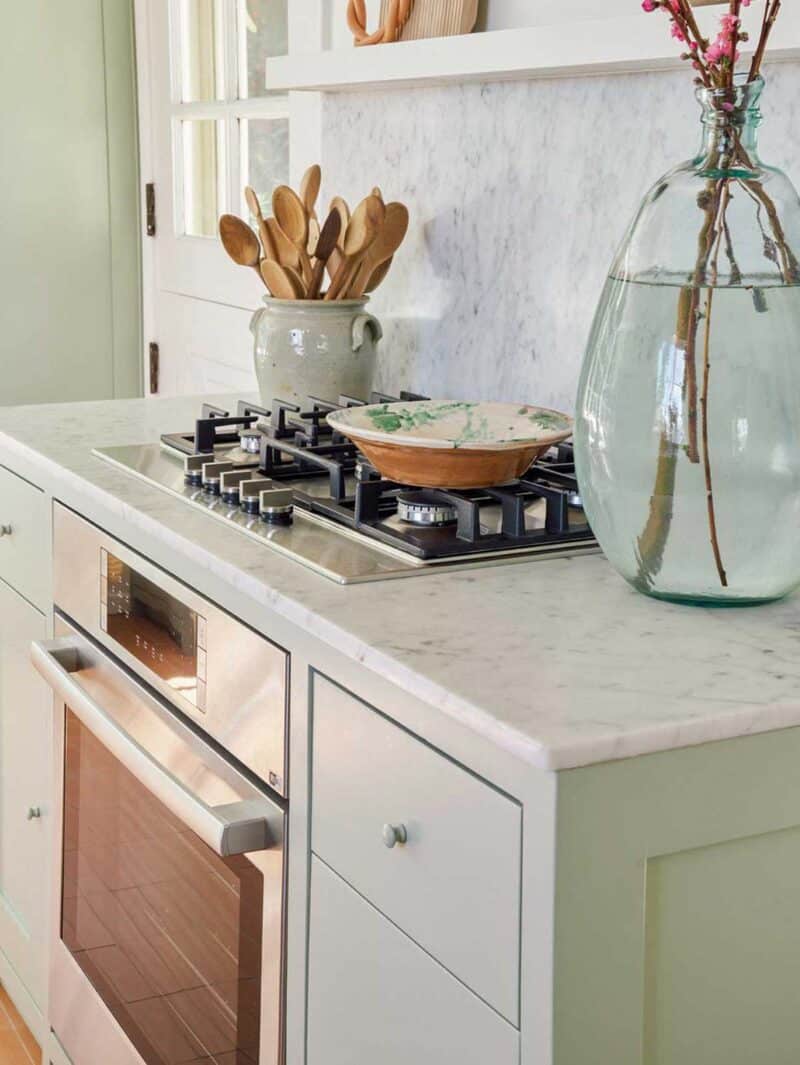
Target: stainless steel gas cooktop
(285, 479)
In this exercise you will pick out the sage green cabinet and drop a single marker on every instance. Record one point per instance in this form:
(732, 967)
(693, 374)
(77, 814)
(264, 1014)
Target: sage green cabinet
(69, 188)
(677, 932)
(25, 775)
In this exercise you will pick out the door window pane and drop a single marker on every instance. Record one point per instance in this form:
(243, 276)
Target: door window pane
(263, 32)
(265, 155)
(203, 167)
(201, 36)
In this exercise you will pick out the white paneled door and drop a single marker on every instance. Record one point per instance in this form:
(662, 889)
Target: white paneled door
(208, 129)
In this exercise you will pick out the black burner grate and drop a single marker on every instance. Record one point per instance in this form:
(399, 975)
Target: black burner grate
(298, 445)
(374, 500)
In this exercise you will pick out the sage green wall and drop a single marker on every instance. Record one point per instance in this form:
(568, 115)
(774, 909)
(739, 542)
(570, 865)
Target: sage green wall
(70, 299)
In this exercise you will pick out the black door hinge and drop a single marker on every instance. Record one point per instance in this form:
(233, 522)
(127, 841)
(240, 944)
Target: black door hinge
(150, 208)
(154, 360)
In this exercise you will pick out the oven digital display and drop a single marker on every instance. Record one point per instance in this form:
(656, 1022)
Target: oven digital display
(154, 627)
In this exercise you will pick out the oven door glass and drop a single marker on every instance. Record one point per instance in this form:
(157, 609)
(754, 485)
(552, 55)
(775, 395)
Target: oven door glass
(168, 933)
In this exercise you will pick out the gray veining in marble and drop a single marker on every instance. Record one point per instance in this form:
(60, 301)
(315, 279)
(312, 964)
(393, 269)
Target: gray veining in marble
(519, 194)
(559, 662)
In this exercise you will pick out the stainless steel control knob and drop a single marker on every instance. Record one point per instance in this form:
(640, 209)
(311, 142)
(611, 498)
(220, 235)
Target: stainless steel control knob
(394, 834)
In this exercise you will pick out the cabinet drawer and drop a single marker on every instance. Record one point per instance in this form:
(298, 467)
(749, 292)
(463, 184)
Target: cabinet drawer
(454, 885)
(24, 538)
(375, 997)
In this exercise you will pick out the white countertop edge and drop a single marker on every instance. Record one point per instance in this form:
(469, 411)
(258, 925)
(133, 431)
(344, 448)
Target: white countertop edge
(663, 739)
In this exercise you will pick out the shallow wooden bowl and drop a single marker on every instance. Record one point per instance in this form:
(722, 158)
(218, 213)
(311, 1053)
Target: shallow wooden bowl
(435, 468)
(452, 444)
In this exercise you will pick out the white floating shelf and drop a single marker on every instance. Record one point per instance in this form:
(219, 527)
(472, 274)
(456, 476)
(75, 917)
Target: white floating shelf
(634, 42)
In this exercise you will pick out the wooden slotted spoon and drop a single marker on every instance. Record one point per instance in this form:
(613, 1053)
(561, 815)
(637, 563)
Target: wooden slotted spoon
(240, 242)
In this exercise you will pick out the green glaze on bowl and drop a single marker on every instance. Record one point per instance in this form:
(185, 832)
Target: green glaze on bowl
(453, 424)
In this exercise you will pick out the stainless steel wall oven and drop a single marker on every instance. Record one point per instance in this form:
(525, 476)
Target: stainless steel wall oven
(170, 726)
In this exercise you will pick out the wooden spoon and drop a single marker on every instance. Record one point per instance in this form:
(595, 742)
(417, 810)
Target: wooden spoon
(285, 252)
(389, 238)
(326, 245)
(378, 277)
(362, 230)
(253, 203)
(313, 236)
(309, 189)
(254, 206)
(240, 242)
(340, 205)
(335, 260)
(283, 282)
(267, 241)
(291, 216)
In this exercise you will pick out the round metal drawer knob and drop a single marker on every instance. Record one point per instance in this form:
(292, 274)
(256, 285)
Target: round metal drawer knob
(34, 813)
(5, 530)
(394, 834)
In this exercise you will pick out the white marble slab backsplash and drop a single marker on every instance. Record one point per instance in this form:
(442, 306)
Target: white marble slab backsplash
(519, 194)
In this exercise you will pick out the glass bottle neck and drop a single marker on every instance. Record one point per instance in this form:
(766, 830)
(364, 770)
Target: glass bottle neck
(729, 145)
(731, 118)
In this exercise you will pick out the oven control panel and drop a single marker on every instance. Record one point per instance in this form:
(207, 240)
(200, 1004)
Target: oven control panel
(200, 658)
(164, 634)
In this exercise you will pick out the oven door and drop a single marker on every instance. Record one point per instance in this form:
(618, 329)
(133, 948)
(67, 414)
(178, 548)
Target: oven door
(169, 901)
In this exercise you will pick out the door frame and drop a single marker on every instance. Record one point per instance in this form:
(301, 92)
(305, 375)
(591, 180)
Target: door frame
(307, 22)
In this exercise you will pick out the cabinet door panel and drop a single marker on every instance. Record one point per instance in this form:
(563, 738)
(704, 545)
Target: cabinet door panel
(374, 996)
(24, 788)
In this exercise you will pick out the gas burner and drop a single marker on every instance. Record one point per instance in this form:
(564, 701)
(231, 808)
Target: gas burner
(424, 508)
(250, 441)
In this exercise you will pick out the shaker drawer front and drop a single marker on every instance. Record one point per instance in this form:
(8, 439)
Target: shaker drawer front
(24, 538)
(375, 997)
(454, 884)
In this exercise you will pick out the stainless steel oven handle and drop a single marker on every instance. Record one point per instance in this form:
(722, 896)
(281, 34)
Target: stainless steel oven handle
(236, 828)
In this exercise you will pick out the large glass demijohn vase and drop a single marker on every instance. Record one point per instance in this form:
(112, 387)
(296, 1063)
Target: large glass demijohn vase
(688, 413)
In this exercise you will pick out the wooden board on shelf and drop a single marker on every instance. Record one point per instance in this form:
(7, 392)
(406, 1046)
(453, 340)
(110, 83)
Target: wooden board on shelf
(437, 18)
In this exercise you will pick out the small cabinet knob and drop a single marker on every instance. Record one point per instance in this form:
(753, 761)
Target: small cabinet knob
(5, 530)
(394, 834)
(34, 813)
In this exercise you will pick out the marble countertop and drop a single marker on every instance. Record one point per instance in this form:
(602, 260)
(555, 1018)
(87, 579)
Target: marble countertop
(557, 661)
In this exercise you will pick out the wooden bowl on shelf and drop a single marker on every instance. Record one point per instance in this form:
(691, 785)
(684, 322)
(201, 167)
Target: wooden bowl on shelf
(450, 443)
